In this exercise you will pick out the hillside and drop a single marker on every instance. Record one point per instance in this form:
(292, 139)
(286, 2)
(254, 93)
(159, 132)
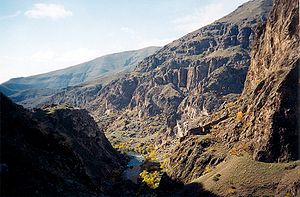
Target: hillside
(261, 126)
(190, 77)
(29, 91)
(54, 150)
(214, 113)
(81, 73)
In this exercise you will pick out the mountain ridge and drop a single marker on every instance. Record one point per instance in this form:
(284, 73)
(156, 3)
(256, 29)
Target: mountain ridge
(189, 77)
(81, 73)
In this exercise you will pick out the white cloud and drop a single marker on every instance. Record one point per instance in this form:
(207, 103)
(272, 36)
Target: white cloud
(205, 15)
(17, 13)
(52, 11)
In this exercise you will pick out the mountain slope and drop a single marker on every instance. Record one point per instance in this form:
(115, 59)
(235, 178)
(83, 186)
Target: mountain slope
(6, 90)
(189, 77)
(37, 90)
(54, 152)
(262, 123)
(81, 73)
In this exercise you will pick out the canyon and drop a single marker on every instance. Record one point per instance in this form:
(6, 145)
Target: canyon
(214, 113)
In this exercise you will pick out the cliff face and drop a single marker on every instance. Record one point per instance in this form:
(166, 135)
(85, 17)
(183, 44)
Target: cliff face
(191, 76)
(264, 120)
(272, 86)
(54, 152)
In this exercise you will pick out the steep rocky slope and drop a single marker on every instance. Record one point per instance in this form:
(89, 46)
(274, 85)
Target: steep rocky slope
(30, 91)
(272, 86)
(263, 122)
(191, 76)
(54, 152)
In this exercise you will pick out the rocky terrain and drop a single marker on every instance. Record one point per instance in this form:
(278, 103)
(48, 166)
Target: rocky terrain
(190, 77)
(214, 113)
(60, 151)
(30, 91)
(54, 152)
(263, 122)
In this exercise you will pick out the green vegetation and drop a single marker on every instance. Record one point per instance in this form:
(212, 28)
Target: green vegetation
(163, 165)
(152, 169)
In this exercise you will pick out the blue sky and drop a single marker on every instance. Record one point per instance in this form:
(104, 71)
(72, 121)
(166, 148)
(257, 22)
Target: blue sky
(41, 36)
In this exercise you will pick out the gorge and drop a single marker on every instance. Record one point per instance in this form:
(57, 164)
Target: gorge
(214, 113)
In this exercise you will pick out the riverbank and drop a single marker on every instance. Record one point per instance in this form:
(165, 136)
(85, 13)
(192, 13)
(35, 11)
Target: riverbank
(133, 168)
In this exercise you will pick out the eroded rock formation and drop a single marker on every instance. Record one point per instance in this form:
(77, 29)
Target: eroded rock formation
(191, 76)
(264, 121)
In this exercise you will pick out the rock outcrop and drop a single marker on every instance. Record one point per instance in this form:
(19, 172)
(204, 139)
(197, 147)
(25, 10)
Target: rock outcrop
(264, 121)
(54, 152)
(200, 70)
(271, 88)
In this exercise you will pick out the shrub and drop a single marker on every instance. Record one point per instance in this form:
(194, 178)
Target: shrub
(151, 156)
(207, 169)
(163, 165)
(120, 146)
(140, 148)
(152, 179)
(230, 104)
(239, 116)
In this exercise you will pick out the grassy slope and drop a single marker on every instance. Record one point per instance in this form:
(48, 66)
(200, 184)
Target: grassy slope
(241, 175)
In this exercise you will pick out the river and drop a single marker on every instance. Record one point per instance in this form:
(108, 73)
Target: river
(133, 167)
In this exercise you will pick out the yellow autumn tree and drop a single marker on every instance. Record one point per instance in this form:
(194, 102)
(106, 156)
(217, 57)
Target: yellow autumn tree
(152, 179)
(239, 115)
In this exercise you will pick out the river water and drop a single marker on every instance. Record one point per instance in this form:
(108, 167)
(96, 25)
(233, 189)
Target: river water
(133, 167)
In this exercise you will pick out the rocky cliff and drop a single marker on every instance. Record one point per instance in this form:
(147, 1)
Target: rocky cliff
(264, 121)
(54, 152)
(190, 77)
(270, 97)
